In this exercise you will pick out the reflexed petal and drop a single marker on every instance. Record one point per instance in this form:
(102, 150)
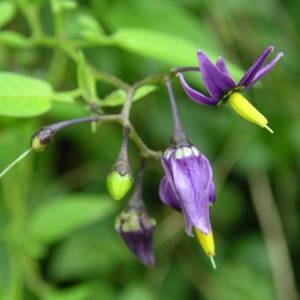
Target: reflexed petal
(263, 71)
(221, 65)
(192, 176)
(253, 70)
(216, 82)
(168, 195)
(195, 95)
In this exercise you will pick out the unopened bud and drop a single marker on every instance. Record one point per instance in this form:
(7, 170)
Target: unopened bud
(41, 139)
(136, 227)
(118, 185)
(247, 111)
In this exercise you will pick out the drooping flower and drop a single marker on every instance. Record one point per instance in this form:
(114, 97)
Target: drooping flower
(188, 186)
(222, 88)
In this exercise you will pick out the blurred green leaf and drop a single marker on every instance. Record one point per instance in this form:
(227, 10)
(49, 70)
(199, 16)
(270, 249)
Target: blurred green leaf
(22, 96)
(13, 39)
(157, 45)
(137, 292)
(118, 97)
(58, 218)
(237, 281)
(171, 49)
(80, 292)
(174, 19)
(60, 5)
(5, 270)
(79, 24)
(86, 80)
(101, 248)
(7, 12)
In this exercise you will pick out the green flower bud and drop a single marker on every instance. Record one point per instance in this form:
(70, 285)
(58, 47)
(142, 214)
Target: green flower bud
(118, 185)
(41, 139)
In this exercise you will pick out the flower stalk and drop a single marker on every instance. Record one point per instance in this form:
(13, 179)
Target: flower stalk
(135, 226)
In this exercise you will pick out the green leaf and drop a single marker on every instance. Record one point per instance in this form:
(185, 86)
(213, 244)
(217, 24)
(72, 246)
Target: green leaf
(171, 49)
(79, 292)
(100, 247)
(118, 97)
(57, 219)
(22, 96)
(86, 80)
(79, 24)
(177, 19)
(13, 39)
(7, 12)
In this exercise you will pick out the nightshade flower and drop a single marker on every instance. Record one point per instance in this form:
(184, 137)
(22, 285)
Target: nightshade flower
(222, 88)
(188, 186)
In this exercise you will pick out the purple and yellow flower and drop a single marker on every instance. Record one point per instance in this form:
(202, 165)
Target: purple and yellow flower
(188, 186)
(222, 88)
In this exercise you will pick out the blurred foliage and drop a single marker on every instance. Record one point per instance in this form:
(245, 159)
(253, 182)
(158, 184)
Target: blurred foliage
(56, 220)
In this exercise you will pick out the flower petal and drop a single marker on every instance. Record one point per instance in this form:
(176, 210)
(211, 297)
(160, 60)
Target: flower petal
(195, 95)
(191, 177)
(221, 65)
(216, 82)
(253, 70)
(263, 71)
(168, 195)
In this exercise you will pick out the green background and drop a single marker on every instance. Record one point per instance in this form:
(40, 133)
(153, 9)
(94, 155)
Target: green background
(57, 238)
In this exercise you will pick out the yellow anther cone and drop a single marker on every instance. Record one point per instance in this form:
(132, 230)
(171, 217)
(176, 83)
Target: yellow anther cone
(208, 245)
(247, 111)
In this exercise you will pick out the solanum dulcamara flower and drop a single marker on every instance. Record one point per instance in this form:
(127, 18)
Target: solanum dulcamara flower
(222, 88)
(188, 185)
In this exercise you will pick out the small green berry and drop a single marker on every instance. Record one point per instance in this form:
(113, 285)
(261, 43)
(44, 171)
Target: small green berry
(118, 185)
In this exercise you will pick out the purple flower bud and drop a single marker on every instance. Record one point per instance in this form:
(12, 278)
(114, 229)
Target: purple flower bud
(135, 225)
(188, 185)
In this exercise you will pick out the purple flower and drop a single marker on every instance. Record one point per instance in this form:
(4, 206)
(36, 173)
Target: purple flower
(187, 185)
(221, 87)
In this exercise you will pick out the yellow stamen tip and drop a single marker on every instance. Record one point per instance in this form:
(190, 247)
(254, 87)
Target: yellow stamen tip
(206, 241)
(213, 263)
(269, 129)
(247, 111)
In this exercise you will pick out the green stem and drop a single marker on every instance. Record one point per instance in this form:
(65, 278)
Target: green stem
(144, 150)
(69, 95)
(56, 12)
(114, 81)
(276, 244)
(31, 13)
(126, 107)
(57, 68)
